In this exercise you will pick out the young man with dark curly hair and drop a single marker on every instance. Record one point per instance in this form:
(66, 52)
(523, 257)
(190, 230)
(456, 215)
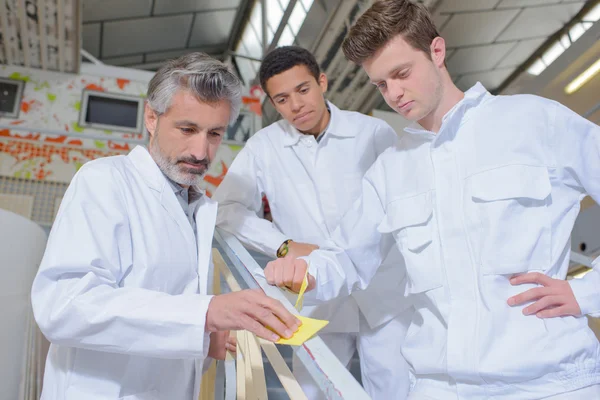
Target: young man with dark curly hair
(310, 165)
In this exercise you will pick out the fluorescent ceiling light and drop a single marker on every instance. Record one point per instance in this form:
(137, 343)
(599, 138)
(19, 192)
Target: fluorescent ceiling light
(583, 78)
(537, 67)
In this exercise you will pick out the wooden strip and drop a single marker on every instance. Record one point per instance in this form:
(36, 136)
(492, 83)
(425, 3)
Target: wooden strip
(222, 268)
(207, 386)
(287, 379)
(258, 371)
(250, 390)
(230, 377)
(241, 367)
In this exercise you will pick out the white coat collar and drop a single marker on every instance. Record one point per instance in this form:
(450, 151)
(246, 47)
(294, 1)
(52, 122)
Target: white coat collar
(336, 127)
(473, 97)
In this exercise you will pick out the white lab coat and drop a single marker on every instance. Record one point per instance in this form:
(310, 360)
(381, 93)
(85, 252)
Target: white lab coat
(121, 291)
(309, 186)
(493, 194)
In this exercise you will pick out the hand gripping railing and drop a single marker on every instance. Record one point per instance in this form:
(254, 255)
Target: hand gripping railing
(244, 377)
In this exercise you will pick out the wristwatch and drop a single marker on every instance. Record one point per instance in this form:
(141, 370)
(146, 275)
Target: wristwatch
(283, 249)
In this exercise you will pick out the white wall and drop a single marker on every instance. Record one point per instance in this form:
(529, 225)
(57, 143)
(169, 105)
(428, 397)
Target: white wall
(22, 245)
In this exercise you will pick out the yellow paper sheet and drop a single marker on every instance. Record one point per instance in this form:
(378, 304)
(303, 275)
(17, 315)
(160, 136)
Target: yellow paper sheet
(298, 305)
(306, 331)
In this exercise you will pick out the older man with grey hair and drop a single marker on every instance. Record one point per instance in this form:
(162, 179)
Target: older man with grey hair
(122, 291)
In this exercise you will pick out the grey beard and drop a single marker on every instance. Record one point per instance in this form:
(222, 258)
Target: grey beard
(170, 168)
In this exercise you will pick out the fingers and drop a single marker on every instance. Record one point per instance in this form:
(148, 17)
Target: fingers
(231, 344)
(270, 272)
(562, 311)
(266, 317)
(257, 328)
(543, 303)
(277, 309)
(532, 277)
(289, 273)
(274, 272)
(312, 283)
(297, 278)
(529, 295)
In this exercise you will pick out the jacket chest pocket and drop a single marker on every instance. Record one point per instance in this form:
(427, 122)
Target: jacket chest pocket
(510, 208)
(411, 221)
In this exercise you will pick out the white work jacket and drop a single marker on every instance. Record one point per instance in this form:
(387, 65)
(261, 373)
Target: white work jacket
(121, 291)
(495, 193)
(310, 186)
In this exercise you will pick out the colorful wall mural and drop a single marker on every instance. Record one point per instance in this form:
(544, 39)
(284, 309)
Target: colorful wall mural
(46, 143)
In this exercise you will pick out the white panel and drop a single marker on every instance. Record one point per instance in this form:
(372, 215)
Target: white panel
(540, 21)
(476, 28)
(449, 6)
(480, 58)
(146, 34)
(18, 204)
(22, 244)
(212, 28)
(525, 3)
(91, 39)
(491, 80)
(521, 52)
(180, 6)
(100, 10)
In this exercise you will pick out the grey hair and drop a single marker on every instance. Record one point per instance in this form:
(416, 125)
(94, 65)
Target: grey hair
(209, 80)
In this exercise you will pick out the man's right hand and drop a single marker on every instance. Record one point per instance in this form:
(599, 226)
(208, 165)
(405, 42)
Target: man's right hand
(253, 311)
(289, 274)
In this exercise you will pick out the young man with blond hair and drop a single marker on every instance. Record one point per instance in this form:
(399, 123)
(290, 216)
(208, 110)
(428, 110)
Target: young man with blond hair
(480, 198)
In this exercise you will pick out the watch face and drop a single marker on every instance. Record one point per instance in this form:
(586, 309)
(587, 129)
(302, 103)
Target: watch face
(284, 251)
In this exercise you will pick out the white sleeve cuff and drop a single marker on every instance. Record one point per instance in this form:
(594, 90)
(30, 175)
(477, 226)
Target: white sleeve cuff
(587, 291)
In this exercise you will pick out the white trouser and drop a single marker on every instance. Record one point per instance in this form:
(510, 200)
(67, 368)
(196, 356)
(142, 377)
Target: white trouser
(384, 372)
(587, 393)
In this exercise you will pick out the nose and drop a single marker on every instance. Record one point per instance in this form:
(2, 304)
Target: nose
(296, 103)
(395, 91)
(198, 146)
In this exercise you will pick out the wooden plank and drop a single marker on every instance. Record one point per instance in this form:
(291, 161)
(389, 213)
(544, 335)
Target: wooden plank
(285, 375)
(257, 369)
(241, 366)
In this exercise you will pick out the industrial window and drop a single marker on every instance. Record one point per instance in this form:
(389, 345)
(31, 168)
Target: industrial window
(111, 111)
(11, 92)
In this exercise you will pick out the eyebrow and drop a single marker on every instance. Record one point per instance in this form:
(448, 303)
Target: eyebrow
(196, 126)
(297, 87)
(395, 69)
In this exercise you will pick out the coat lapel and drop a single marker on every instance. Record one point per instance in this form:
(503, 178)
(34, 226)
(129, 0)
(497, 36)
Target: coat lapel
(154, 178)
(206, 217)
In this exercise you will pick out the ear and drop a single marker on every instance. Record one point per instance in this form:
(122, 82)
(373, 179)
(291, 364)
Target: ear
(150, 119)
(323, 82)
(438, 51)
